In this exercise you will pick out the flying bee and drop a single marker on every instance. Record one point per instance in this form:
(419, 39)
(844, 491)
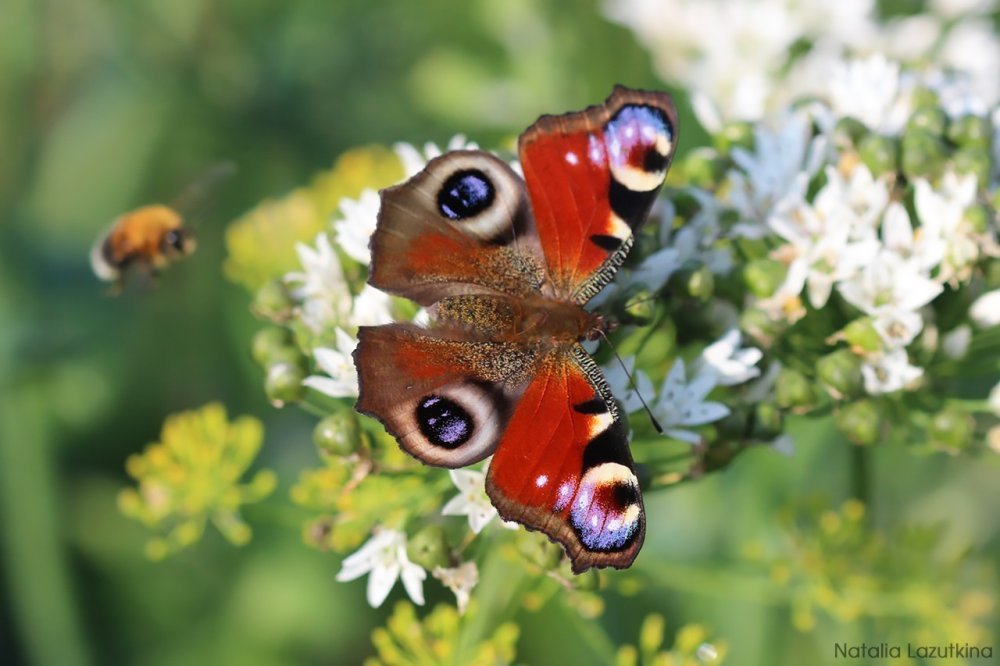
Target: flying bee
(151, 237)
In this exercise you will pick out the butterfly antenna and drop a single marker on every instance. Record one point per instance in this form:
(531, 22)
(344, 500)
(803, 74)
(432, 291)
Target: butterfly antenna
(635, 387)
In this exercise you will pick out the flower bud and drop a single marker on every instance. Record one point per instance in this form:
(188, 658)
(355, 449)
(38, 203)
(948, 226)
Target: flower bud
(638, 305)
(284, 383)
(970, 131)
(793, 390)
(975, 161)
(840, 373)
(272, 301)
(764, 276)
(704, 168)
(769, 420)
(923, 154)
(849, 131)
(735, 133)
(266, 342)
(879, 153)
(428, 548)
(924, 97)
(862, 336)
(952, 430)
(338, 434)
(860, 421)
(700, 283)
(978, 218)
(928, 119)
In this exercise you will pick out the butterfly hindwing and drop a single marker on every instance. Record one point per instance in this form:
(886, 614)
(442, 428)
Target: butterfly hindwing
(563, 465)
(444, 398)
(592, 177)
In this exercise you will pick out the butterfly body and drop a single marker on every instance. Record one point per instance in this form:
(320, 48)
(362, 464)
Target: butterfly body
(505, 266)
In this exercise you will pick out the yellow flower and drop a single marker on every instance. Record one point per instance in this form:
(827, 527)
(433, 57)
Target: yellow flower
(192, 476)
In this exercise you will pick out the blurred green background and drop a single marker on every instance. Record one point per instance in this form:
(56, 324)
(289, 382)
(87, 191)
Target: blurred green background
(110, 104)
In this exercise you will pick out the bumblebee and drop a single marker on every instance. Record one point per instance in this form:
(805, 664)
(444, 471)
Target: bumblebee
(151, 237)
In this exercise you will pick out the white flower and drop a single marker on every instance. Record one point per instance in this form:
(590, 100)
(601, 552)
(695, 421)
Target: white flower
(384, 558)
(994, 399)
(779, 168)
(942, 214)
(372, 307)
(869, 90)
(472, 500)
(955, 344)
(342, 377)
(321, 288)
(731, 364)
(985, 310)
(784, 444)
(972, 47)
(621, 387)
(889, 371)
(891, 289)
(925, 248)
(785, 303)
(460, 580)
(356, 225)
(414, 161)
(682, 403)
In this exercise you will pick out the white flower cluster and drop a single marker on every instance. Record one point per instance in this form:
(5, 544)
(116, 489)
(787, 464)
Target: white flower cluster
(681, 403)
(743, 59)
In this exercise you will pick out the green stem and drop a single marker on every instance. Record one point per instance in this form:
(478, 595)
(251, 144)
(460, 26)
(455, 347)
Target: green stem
(41, 594)
(860, 485)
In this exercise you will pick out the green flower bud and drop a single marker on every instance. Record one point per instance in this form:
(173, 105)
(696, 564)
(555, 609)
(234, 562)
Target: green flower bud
(288, 354)
(975, 161)
(840, 373)
(538, 550)
(272, 301)
(929, 119)
(700, 283)
(923, 155)
(268, 341)
(338, 434)
(589, 581)
(952, 430)
(704, 168)
(736, 133)
(639, 305)
(764, 276)
(924, 97)
(861, 335)
(769, 420)
(284, 383)
(970, 131)
(428, 548)
(849, 131)
(979, 218)
(879, 153)
(860, 422)
(793, 390)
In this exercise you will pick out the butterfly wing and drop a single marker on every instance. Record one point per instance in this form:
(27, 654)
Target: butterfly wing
(445, 398)
(592, 177)
(460, 226)
(563, 466)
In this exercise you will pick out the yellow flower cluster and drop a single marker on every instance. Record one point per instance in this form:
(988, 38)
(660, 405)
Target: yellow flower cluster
(192, 476)
(261, 244)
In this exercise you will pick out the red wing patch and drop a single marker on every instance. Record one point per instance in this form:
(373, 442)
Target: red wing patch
(592, 177)
(563, 466)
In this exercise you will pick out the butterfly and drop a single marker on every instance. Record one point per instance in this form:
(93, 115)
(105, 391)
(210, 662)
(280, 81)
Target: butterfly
(505, 265)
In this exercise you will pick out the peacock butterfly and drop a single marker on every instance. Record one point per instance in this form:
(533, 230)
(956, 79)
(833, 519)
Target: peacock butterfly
(505, 266)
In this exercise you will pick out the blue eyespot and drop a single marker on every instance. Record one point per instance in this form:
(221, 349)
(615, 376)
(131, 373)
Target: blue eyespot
(465, 194)
(443, 422)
